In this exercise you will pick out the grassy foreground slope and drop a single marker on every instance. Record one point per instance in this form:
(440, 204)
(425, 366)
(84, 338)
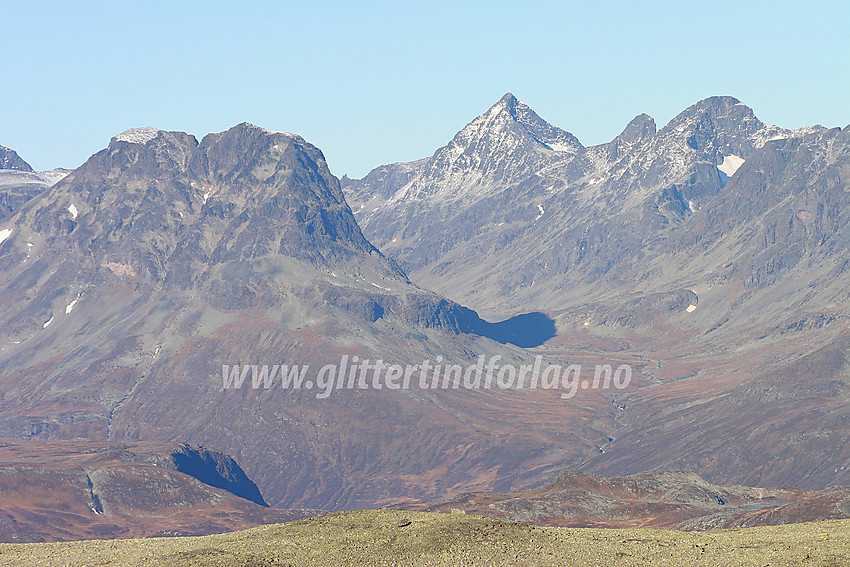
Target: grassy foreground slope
(418, 538)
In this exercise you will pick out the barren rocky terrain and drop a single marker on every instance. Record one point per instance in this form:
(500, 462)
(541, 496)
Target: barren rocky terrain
(419, 539)
(71, 490)
(657, 499)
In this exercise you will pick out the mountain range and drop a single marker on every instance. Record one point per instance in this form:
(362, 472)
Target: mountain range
(708, 255)
(711, 252)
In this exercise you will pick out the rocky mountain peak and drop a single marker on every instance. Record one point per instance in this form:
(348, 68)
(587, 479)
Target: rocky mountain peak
(641, 128)
(639, 131)
(717, 108)
(9, 159)
(174, 210)
(265, 157)
(507, 133)
(507, 101)
(511, 110)
(720, 122)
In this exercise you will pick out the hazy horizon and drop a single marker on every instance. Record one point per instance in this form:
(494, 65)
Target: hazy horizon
(376, 84)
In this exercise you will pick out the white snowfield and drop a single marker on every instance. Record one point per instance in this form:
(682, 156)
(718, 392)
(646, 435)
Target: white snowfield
(53, 176)
(70, 306)
(73, 210)
(4, 234)
(730, 164)
(12, 177)
(138, 135)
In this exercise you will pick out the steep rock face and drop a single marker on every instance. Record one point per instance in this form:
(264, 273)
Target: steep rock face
(479, 177)
(262, 193)
(495, 146)
(640, 130)
(243, 218)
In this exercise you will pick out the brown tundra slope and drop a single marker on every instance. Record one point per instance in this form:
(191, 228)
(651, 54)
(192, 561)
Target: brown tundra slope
(70, 490)
(656, 499)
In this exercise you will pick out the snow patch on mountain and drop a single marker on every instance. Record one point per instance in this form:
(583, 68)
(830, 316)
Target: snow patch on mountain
(730, 164)
(13, 177)
(560, 147)
(70, 306)
(540, 208)
(4, 234)
(138, 135)
(53, 176)
(73, 210)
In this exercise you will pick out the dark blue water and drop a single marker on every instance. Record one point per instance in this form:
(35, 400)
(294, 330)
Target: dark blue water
(527, 330)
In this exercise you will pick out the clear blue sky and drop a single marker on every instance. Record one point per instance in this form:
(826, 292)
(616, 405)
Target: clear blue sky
(373, 83)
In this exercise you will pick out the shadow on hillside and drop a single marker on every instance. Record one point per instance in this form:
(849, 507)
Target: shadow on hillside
(527, 330)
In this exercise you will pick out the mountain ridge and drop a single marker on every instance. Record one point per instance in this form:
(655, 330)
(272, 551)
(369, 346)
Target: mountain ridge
(672, 171)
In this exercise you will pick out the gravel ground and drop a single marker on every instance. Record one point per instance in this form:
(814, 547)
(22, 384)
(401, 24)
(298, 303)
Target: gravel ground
(428, 539)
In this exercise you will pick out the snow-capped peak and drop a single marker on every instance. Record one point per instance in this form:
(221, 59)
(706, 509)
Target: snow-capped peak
(138, 135)
(507, 119)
